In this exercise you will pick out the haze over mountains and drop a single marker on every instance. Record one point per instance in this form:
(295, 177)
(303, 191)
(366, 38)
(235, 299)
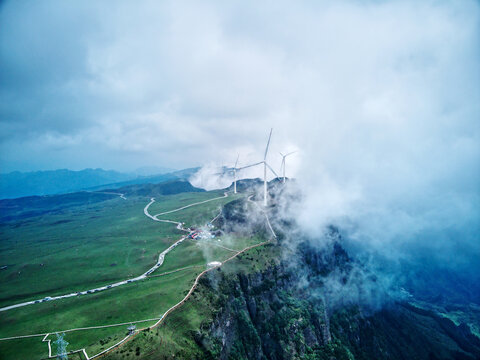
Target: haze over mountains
(18, 184)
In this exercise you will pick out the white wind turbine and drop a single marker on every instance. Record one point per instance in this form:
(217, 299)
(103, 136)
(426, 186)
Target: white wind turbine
(265, 166)
(283, 163)
(265, 171)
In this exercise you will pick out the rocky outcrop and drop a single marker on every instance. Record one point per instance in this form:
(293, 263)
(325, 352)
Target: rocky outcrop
(262, 319)
(280, 313)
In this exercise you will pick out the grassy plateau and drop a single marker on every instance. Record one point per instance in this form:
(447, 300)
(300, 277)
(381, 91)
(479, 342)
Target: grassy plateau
(83, 246)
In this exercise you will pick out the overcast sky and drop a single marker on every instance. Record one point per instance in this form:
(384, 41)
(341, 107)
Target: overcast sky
(179, 84)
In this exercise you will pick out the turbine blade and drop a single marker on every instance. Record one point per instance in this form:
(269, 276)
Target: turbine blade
(236, 162)
(290, 153)
(273, 171)
(282, 155)
(268, 143)
(244, 167)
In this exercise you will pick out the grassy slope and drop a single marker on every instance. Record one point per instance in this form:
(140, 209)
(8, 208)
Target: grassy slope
(193, 216)
(116, 231)
(79, 249)
(90, 245)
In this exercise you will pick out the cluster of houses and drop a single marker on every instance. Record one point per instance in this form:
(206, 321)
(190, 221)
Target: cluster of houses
(198, 234)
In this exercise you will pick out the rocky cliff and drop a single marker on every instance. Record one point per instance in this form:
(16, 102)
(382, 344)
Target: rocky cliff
(282, 313)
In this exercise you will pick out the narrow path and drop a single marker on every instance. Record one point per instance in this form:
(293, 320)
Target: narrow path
(176, 270)
(217, 245)
(122, 196)
(190, 205)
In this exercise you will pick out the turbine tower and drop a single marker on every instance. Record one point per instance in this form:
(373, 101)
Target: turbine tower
(265, 171)
(265, 166)
(283, 163)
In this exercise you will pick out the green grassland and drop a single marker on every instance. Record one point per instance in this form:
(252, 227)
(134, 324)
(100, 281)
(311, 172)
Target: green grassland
(94, 244)
(88, 246)
(79, 249)
(142, 300)
(197, 252)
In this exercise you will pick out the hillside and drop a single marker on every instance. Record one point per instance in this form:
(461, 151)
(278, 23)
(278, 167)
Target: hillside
(168, 187)
(184, 174)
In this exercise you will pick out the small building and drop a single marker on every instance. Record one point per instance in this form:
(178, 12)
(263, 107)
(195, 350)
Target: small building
(213, 264)
(131, 329)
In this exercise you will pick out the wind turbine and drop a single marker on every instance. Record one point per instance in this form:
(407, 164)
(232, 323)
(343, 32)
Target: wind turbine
(283, 163)
(265, 166)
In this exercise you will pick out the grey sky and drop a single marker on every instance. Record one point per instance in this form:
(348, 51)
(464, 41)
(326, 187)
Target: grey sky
(88, 84)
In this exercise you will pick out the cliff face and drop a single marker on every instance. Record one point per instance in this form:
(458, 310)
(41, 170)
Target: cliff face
(262, 319)
(271, 315)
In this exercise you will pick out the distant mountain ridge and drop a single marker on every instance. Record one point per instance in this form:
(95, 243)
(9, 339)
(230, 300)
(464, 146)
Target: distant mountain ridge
(168, 187)
(29, 206)
(19, 184)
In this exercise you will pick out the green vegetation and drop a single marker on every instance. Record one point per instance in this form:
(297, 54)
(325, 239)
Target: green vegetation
(81, 247)
(468, 314)
(87, 246)
(143, 300)
(195, 215)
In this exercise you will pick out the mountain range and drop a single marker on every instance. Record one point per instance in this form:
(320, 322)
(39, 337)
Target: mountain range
(19, 184)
